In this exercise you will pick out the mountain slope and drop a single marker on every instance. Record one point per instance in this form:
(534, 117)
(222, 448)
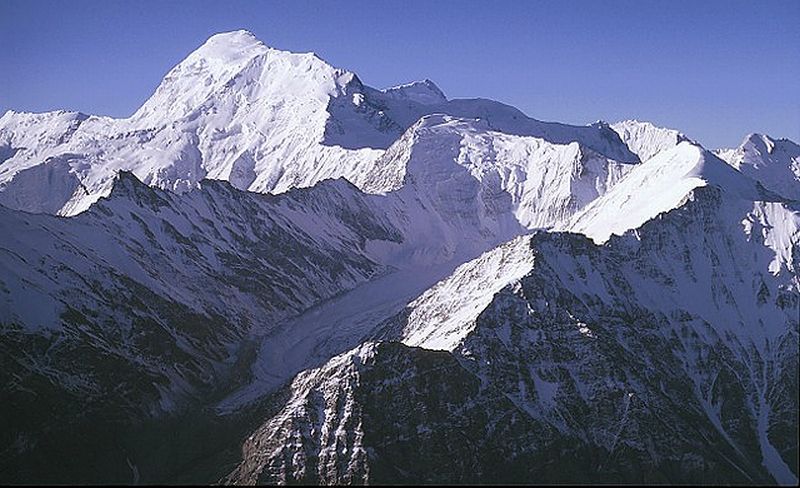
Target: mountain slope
(655, 358)
(458, 163)
(700, 303)
(163, 296)
(460, 189)
(142, 306)
(387, 413)
(658, 185)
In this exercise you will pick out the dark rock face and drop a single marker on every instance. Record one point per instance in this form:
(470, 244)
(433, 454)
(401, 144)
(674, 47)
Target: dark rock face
(388, 413)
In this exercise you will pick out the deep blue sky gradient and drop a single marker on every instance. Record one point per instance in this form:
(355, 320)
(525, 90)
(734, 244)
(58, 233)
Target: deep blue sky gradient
(714, 69)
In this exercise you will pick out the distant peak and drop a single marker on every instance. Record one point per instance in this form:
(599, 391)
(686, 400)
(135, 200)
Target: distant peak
(424, 92)
(768, 141)
(644, 125)
(756, 137)
(761, 142)
(428, 84)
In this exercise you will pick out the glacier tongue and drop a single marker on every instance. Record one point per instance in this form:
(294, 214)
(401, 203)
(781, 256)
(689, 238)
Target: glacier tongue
(332, 327)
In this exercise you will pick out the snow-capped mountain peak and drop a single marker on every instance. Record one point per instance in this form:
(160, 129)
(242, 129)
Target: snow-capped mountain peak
(238, 62)
(760, 142)
(424, 92)
(646, 139)
(775, 163)
(228, 47)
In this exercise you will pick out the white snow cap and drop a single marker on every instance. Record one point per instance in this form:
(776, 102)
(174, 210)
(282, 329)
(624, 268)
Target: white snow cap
(424, 92)
(228, 46)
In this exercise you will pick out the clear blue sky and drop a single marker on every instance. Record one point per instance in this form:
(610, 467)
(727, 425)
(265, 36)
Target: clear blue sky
(714, 69)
